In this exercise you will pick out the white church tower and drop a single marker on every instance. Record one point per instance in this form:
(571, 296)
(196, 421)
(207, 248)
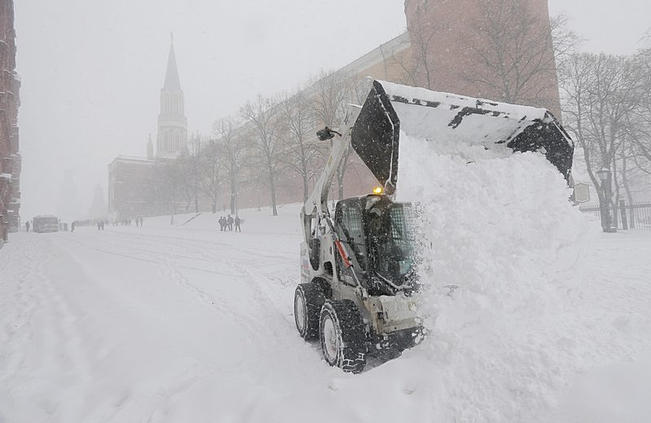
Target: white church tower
(172, 135)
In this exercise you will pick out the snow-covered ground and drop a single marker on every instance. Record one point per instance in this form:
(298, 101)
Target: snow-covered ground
(188, 324)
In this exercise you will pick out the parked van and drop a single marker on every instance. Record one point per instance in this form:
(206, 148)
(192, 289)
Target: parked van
(45, 224)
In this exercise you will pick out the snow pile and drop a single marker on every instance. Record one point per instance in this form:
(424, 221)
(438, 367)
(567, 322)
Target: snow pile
(510, 337)
(497, 225)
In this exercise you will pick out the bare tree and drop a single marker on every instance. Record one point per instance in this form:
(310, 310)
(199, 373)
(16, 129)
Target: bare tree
(167, 186)
(414, 57)
(418, 66)
(329, 101)
(188, 166)
(301, 150)
(262, 115)
(564, 40)
(635, 155)
(639, 118)
(356, 90)
(328, 98)
(210, 165)
(232, 150)
(600, 92)
(627, 173)
(515, 52)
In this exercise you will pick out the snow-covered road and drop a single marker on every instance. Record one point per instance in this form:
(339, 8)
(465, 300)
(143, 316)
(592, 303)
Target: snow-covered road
(188, 324)
(148, 325)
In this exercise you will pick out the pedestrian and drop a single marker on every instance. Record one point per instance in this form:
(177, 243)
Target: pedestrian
(221, 223)
(229, 222)
(27, 226)
(72, 226)
(237, 224)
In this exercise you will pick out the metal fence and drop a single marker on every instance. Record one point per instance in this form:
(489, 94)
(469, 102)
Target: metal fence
(627, 217)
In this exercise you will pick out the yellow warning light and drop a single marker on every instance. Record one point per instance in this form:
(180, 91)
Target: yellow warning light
(378, 190)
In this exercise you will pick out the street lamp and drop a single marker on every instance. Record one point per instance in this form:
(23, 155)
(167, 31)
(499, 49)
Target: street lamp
(604, 176)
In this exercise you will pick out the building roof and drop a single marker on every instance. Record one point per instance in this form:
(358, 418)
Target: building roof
(361, 66)
(378, 54)
(132, 159)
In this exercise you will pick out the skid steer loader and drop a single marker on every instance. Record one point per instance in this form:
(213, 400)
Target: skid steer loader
(357, 267)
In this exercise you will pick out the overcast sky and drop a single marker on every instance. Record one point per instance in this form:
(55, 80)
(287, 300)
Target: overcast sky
(92, 69)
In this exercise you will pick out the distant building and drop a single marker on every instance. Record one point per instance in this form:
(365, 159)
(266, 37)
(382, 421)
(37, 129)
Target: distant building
(10, 160)
(131, 187)
(136, 184)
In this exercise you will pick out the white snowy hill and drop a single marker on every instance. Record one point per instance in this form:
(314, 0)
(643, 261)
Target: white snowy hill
(551, 320)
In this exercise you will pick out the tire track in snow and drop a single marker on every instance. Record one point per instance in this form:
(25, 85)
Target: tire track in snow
(173, 260)
(18, 306)
(252, 313)
(255, 267)
(46, 355)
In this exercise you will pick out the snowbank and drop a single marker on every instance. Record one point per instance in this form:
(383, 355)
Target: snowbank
(513, 335)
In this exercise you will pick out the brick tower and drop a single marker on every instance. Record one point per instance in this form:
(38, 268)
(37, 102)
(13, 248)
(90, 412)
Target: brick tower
(453, 48)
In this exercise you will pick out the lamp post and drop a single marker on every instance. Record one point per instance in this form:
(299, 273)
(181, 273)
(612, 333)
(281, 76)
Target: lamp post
(606, 222)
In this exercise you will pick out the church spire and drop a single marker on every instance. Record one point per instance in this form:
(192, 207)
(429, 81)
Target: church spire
(172, 81)
(172, 137)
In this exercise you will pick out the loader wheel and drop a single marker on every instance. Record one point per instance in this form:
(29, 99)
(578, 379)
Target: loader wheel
(308, 299)
(343, 338)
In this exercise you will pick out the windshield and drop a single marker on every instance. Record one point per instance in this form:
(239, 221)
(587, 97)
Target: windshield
(390, 239)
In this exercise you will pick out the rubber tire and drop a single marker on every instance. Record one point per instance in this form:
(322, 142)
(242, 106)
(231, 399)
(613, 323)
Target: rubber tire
(313, 300)
(349, 326)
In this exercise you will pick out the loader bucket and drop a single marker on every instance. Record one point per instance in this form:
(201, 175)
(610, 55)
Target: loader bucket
(393, 114)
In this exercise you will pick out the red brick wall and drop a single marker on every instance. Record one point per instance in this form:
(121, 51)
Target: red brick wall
(451, 57)
(9, 91)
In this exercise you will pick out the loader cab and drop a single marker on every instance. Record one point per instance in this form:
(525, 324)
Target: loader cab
(380, 233)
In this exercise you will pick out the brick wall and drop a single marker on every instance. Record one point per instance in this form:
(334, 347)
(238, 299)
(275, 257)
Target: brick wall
(10, 161)
(452, 29)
